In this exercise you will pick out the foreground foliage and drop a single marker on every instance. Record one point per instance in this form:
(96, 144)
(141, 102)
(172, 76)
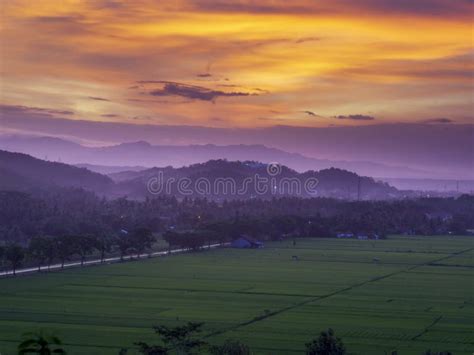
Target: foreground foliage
(179, 339)
(41, 344)
(326, 344)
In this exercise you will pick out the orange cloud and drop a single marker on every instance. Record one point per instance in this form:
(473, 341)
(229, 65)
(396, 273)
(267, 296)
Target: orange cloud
(373, 57)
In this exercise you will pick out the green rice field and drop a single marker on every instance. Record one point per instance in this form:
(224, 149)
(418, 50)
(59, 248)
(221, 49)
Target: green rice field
(407, 294)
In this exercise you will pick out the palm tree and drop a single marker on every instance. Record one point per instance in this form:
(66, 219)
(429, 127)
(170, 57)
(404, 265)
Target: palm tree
(38, 343)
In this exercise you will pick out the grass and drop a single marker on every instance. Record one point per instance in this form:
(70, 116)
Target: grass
(417, 296)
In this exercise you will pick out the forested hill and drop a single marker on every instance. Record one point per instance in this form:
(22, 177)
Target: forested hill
(216, 180)
(25, 173)
(222, 179)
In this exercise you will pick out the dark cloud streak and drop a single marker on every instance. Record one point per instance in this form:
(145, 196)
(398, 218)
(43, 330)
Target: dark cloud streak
(311, 113)
(429, 8)
(439, 120)
(170, 88)
(355, 117)
(97, 98)
(5, 109)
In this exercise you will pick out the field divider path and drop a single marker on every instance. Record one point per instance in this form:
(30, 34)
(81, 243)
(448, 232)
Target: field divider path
(345, 289)
(435, 321)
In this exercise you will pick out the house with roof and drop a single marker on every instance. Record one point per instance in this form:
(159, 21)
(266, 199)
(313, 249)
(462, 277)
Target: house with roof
(345, 235)
(246, 242)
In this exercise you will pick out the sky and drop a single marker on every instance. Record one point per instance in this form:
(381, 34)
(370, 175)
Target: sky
(238, 64)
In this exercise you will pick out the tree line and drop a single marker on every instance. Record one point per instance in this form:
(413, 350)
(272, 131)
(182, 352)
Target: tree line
(52, 227)
(43, 251)
(76, 212)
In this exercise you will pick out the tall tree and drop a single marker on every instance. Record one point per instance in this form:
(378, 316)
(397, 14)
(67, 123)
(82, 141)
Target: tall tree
(14, 254)
(104, 244)
(123, 243)
(64, 248)
(83, 245)
(40, 249)
(141, 240)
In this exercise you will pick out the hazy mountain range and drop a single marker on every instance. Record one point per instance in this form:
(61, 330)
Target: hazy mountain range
(442, 148)
(140, 155)
(25, 173)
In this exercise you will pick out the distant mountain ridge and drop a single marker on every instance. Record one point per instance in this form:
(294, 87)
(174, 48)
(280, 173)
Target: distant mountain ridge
(444, 150)
(238, 180)
(106, 170)
(25, 173)
(142, 154)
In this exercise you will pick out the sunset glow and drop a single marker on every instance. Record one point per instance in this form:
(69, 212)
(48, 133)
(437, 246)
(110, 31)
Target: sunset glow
(211, 63)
